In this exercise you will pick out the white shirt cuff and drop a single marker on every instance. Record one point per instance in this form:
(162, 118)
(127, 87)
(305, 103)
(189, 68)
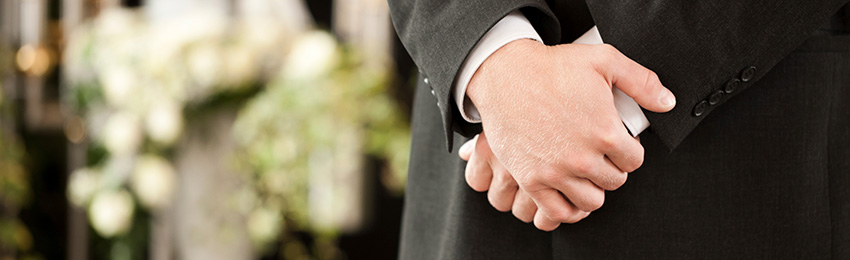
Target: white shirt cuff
(513, 27)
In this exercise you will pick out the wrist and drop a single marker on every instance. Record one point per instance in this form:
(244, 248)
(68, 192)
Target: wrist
(498, 67)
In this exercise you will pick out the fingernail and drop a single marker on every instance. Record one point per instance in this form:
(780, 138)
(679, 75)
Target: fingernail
(668, 100)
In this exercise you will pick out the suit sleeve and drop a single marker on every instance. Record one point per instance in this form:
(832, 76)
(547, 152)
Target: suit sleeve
(439, 34)
(704, 51)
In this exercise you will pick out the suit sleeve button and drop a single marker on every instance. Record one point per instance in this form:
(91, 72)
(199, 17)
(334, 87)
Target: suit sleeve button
(731, 86)
(715, 98)
(699, 109)
(433, 93)
(425, 80)
(748, 74)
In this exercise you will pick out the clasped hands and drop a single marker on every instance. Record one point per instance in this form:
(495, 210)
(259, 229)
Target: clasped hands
(553, 142)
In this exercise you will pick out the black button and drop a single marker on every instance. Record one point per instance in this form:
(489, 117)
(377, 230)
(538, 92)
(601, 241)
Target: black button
(715, 98)
(748, 74)
(700, 108)
(731, 86)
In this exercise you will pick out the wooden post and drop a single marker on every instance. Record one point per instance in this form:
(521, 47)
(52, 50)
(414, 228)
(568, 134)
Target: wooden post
(73, 13)
(366, 25)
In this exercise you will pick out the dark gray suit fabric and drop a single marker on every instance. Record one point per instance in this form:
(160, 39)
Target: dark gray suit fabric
(439, 34)
(764, 176)
(443, 217)
(694, 46)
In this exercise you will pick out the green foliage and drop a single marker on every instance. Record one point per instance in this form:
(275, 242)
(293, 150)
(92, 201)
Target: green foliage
(15, 238)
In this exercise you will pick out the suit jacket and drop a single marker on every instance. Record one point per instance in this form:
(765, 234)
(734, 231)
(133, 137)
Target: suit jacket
(695, 47)
(765, 175)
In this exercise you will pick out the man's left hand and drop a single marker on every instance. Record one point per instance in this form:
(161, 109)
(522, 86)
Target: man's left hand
(484, 172)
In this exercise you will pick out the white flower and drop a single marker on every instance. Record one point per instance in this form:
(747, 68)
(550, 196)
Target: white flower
(82, 185)
(111, 212)
(116, 21)
(153, 181)
(240, 66)
(122, 133)
(77, 66)
(118, 85)
(164, 122)
(264, 224)
(204, 64)
(312, 55)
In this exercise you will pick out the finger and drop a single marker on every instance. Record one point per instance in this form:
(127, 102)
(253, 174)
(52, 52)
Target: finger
(635, 80)
(524, 208)
(626, 154)
(615, 178)
(542, 222)
(555, 207)
(582, 193)
(478, 172)
(465, 150)
(503, 189)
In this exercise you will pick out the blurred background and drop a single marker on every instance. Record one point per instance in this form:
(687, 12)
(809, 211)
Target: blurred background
(201, 129)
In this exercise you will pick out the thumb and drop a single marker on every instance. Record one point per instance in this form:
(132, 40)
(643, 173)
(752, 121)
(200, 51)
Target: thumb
(636, 81)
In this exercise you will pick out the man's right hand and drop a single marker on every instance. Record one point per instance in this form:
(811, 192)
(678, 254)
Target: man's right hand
(550, 119)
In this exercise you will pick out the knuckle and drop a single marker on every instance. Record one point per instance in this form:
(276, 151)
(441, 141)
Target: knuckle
(476, 180)
(578, 217)
(582, 166)
(562, 216)
(608, 53)
(544, 225)
(632, 160)
(595, 201)
(547, 177)
(590, 202)
(610, 181)
(473, 181)
(522, 215)
(608, 138)
(573, 219)
(476, 186)
(631, 164)
(503, 184)
(507, 180)
(637, 160)
(608, 48)
(617, 181)
(519, 216)
(525, 181)
(650, 81)
(531, 179)
(497, 202)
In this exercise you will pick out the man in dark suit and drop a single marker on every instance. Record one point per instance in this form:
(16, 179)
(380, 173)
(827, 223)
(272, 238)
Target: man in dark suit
(751, 163)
